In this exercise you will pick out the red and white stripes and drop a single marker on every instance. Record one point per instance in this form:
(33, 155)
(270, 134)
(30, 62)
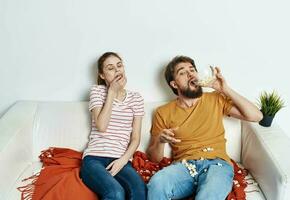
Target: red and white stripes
(114, 141)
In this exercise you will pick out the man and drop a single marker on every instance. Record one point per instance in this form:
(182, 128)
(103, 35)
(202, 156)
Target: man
(192, 125)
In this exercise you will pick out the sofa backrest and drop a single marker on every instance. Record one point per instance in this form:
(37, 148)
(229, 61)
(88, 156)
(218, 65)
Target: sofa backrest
(67, 124)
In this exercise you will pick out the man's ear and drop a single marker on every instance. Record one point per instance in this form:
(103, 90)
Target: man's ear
(173, 84)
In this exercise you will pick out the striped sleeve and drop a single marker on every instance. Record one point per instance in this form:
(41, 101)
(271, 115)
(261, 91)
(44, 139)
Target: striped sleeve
(138, 106)
(97, 96)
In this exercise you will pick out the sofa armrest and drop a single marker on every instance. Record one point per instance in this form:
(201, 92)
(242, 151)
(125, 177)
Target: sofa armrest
(16, 127)
(264, 154)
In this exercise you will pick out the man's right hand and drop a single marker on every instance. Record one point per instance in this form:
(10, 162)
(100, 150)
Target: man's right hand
(167, 136)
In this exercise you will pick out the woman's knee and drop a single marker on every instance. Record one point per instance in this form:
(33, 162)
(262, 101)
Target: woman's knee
(139, 191)
(132, 183)
(114, 193)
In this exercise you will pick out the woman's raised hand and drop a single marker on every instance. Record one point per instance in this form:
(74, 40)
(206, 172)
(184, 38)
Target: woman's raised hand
(118, 83)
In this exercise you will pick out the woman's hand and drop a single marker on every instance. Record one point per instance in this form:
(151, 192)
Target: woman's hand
(118, 83)
(219, 83)
(115, 166)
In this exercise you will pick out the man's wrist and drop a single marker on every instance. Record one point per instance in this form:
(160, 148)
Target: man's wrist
(226, 91)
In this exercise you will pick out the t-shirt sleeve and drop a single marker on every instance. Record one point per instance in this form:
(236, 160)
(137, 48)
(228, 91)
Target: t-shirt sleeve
(97, 96)
(225, 103)
(157, 124)
(138, 106)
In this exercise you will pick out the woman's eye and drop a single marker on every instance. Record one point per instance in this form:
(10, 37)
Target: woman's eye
(120, 65)
(110, 68)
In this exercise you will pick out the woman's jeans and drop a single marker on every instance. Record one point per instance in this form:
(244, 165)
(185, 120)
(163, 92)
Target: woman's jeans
(127, 184)
(213, 181)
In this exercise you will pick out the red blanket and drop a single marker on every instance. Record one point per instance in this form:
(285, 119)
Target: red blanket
(59, 178)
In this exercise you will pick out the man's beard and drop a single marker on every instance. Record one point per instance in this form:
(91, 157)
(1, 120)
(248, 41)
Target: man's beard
(190, 93)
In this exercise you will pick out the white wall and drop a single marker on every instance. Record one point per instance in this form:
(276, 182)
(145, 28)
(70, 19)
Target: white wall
(48, 47)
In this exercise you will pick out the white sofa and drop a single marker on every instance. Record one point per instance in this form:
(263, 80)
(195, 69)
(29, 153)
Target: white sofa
(29, 127)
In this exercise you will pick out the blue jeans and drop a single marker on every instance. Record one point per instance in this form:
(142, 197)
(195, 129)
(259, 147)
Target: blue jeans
(127, 184)
(213, 181)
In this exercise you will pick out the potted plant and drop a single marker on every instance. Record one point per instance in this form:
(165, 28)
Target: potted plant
(270, 103)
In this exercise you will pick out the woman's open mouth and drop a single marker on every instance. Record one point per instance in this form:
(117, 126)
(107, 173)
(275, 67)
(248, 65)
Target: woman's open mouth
(119, 76)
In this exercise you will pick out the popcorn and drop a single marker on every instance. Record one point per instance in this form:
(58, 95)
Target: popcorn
(205, 82)
(190, 167)
(219, 164)
(208, 149)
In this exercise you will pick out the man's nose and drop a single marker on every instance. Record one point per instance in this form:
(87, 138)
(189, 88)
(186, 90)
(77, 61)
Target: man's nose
(190, 74)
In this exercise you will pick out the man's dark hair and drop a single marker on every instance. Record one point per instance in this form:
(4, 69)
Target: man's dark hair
(169, 71)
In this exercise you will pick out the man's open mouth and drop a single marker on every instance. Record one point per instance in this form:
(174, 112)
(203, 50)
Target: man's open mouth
(193, 82)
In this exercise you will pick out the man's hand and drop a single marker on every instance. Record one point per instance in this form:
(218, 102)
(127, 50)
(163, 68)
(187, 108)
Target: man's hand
(115, 166)
(219, 83)
(167, 136)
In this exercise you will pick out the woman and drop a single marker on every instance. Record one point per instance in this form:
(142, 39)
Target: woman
(115, 134)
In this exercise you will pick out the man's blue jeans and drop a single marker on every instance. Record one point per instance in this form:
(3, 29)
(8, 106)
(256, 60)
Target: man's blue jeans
(213, 181)
(127, 184)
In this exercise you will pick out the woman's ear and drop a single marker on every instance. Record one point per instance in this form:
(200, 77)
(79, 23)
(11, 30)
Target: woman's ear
(173, 84)
(102, 76)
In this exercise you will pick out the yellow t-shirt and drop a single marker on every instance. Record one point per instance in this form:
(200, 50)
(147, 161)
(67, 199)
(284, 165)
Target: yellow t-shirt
(201, 129)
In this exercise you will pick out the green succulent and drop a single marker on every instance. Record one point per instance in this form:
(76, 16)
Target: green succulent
(270, 103)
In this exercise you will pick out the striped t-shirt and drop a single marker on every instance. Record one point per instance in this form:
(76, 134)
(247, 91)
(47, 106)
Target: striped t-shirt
(114, 141)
